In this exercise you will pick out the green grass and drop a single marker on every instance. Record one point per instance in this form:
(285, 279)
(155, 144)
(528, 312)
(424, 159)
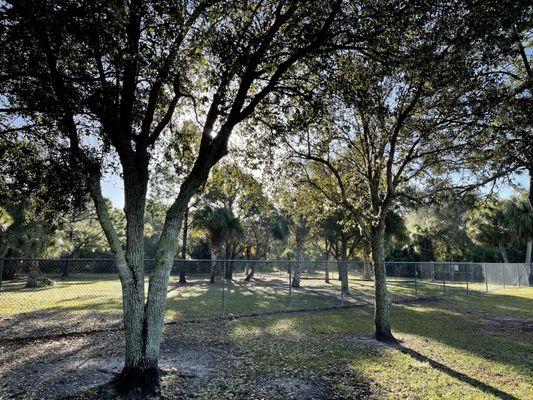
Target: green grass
(81, 293)
(451, 349)
(476, 346)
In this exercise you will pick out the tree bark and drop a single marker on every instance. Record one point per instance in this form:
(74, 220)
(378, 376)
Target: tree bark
(250, 266)
(382, 306)
(503, 252)
(157, 289)
(33, 275)
(251, 272)
(343, 266)
(530, 201)
(228, 263)
(140, 366)
(213, 265)
(301, 231)
(183, 279)
(529, 246)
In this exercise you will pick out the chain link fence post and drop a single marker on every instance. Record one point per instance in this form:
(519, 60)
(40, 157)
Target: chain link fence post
(518, 274)
(486, 278)
(416, 283)
(223, 288)
(467, 277)
(290, 284)
(503, 274)
(443, 279)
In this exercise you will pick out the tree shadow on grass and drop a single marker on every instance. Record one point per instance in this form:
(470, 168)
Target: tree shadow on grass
(454, 326)
(449, 321)
(456, 374)
(250, 298)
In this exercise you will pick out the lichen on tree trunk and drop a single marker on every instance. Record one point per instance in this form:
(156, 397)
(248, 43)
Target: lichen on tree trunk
(382, 307)
(182, 278)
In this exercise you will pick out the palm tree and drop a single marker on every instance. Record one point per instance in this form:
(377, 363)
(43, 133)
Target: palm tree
(221, 225)
(488, 226)
(276, 227)
(520, 220)
(232, 233)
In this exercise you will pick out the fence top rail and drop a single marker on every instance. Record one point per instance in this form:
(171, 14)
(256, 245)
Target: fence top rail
(266, 261)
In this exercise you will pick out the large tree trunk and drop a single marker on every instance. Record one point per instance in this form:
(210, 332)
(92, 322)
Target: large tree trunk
(228, 270)
(530, 200)
(183, 279)
(250, 266)
(33, 275)
(343, 266)
(139, 370)
(301, 231)
(529, 266)
(213, 265)
(10, 268)
(158, 287)
(143, 320)
(530, 191)
(382, 306)
(251, 271)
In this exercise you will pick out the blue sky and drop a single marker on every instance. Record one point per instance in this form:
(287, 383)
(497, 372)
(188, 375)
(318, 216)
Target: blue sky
(112, 188)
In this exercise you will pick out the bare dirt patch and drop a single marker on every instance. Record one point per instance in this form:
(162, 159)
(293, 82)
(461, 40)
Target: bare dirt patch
(73, 367)
(285, 386)
(364, 341)
(198, 361)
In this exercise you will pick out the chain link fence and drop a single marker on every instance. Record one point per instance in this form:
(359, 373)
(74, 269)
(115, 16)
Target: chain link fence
(43, 296)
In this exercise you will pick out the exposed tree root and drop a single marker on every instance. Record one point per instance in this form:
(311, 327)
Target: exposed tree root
(137, 380)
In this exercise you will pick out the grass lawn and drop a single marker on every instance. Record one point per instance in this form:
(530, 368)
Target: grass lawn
(81, 293)
(476, 346)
